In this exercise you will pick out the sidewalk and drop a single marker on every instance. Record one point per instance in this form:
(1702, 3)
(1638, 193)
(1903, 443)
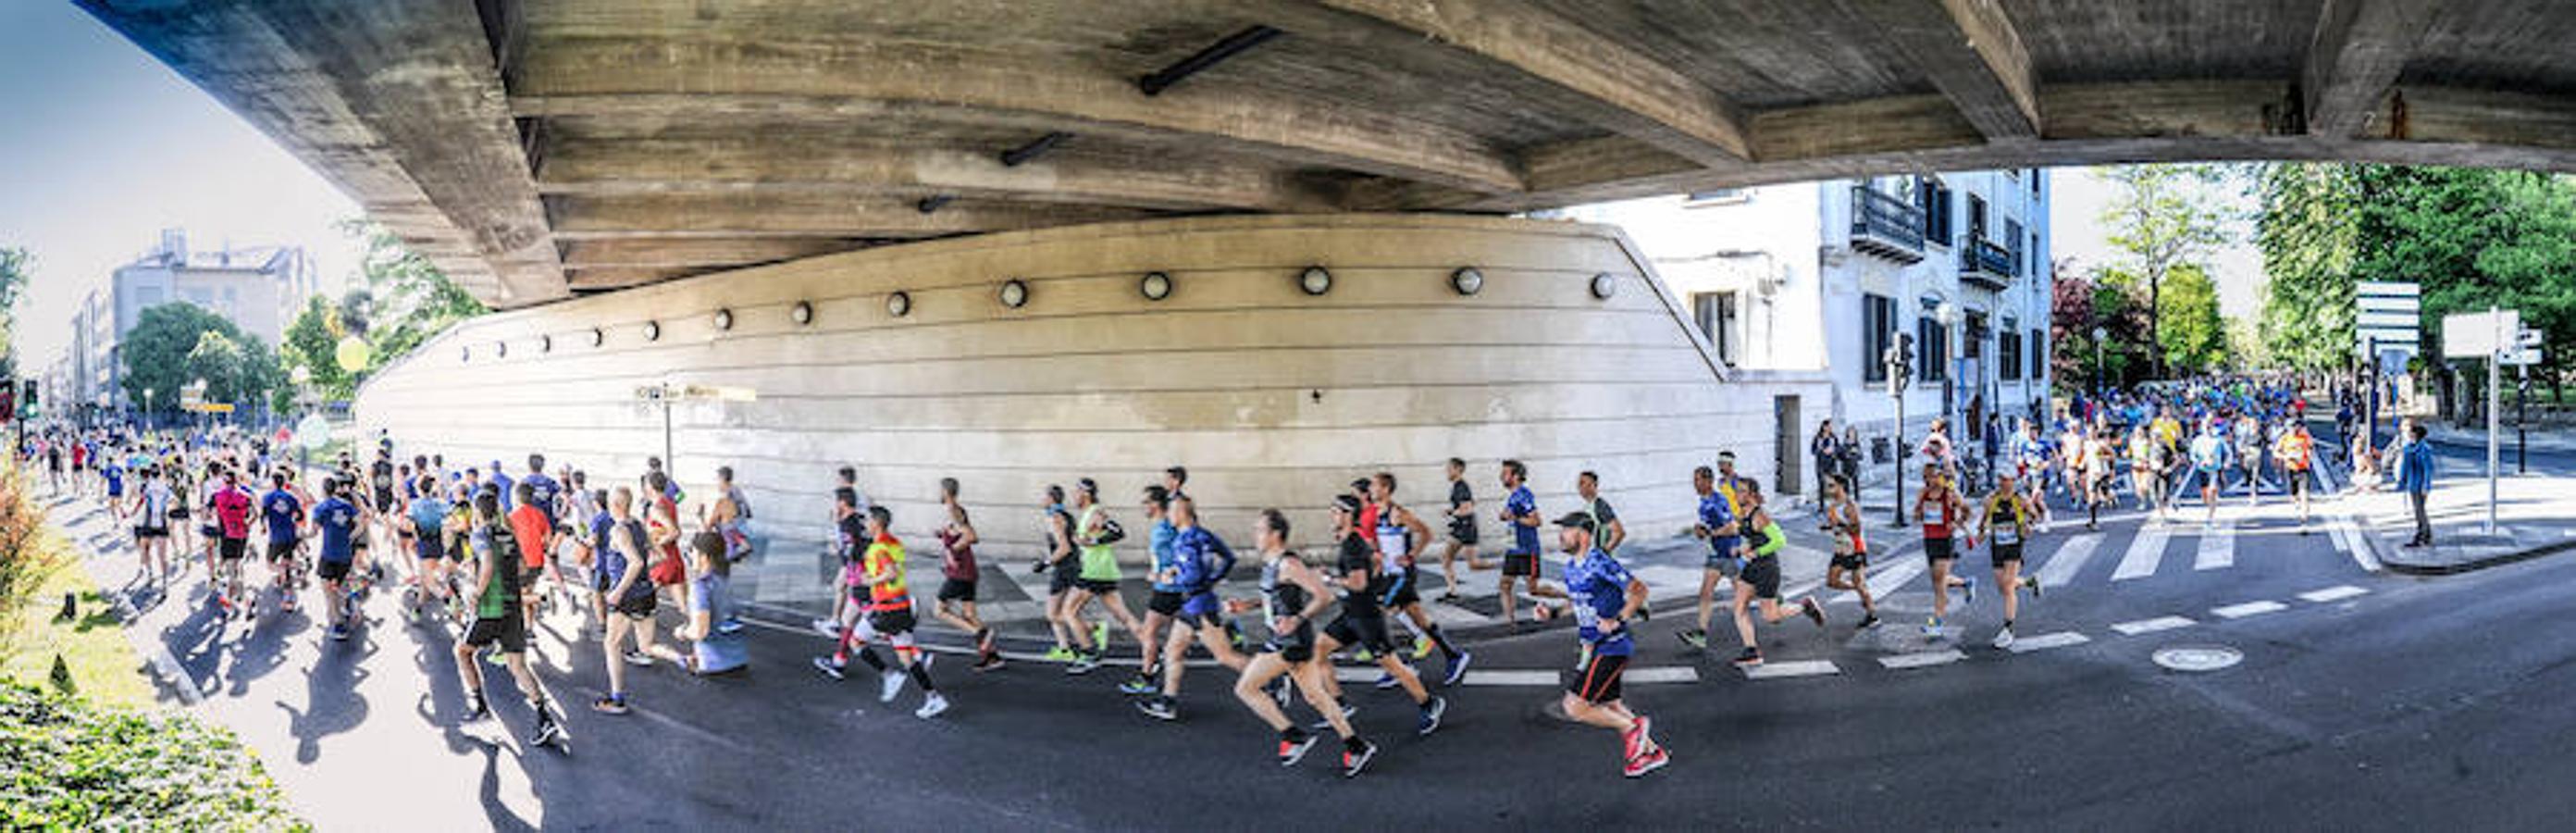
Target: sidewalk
(2539, 439)
(2535, 516)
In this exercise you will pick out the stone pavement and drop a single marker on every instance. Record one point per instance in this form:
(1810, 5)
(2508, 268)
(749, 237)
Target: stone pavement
(2535, 516)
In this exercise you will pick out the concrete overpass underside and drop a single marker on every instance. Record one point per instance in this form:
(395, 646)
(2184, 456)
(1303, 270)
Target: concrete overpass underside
(704, 169)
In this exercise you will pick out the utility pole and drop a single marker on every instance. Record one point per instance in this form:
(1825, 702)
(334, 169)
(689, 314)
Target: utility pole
(1899, 361)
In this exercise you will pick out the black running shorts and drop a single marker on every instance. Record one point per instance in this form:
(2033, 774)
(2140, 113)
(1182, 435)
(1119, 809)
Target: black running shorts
(957, 590)
(331, 570)
(1364, 631)
(1763, 572)
(509, 630)
(230, 549)
(1599, 681)
(2005, 553)
(1939, 549)
(1520, 564)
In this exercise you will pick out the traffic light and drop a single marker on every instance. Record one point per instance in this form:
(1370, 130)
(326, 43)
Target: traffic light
(1899, 360)
(27, 395)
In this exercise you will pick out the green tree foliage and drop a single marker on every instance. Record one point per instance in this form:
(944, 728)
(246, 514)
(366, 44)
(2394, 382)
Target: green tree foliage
(13, 279)
(401, 300)
(2194, 338)
(68, 764)
(177, 343)
(2162, 217)
(2108, 298)
(2306, 233)
(312, 342)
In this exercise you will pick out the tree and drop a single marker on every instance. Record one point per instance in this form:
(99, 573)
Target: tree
(401, 300)
(312, 342)
(2161, 217)
(13, 279)
(177, 343)
(2194, 338)
(2245, 350)
(2306, 233)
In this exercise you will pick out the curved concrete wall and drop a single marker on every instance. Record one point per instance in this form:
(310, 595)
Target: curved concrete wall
(1271, 397)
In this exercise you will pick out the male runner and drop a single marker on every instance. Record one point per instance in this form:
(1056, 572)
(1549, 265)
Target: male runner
(1462, 530)
(1362, 582)
(2004, 521)
(625, 566)
(1604, 595)
(1724, 533)
(958, 574)
(338, 522)
(231, 505)
(1940, 509)
(535, 534)
(426, 525)
(880, 589)
(1520, 512)
(1849, 569)
(1587, 486)
(1758, 584)
(1401, 537)
(1165, 603)
(1061, 567)
(151, 513)
(2209, 463)
(1199, 560)
(1292, 595)
(283, 514)
(497, 621)
(2296, 452)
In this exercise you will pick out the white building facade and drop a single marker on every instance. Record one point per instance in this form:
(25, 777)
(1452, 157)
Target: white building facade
(1825, 276)
(260, 289)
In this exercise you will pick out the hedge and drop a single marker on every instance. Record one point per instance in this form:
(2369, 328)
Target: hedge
(68, 764)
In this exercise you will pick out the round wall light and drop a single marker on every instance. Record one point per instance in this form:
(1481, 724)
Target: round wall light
(802, 313)
(1156, 286)
(724, 319)
(500, 349)
(1605, 285)
(545, 344)
(465, 354)
(898, 303)
(1467, 280)
(1015, 293)
(652, 331)
(598, 337)
(1315, 280)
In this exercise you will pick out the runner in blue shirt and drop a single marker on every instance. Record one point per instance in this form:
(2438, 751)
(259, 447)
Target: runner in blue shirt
(1198, 561)
(337, 520)
(1718, 526)
(428, 517)
(1603, 596)
(501, 480)
(546, 490)
(1165, 604)
(283, 514)
(1520, 512)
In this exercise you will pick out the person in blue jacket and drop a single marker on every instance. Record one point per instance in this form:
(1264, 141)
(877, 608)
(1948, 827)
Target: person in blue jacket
(2415, 477)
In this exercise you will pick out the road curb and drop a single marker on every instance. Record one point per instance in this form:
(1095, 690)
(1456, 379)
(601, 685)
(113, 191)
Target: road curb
(2474, 565)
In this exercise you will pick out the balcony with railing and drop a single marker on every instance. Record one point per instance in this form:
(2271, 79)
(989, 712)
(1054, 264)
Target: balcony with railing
(1986, 262)
(1886, 226)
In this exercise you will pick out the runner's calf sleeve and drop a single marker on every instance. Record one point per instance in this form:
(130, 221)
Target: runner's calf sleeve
(868, 654)
(920, 676)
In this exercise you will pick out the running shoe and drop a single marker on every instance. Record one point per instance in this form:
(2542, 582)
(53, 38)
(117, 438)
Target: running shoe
(1137, 685)
(1422, 646)
(639, 659)
(1645, 613)
(1159, 707)
(1749, 658)
(1968, 590)
(2003, 639)
(990, 661)
(1060, 654)
(1932, 628)
(1356, 757)
(1347, 711)
(2032, 584)
(339, 633)
(1448, 597)
(889, 684)
(1099, 637)
(729, 625)
(1457, 668)
(1868, 620)
(1386, 680)
(931, 706)
(1280, 690)
(1695, 638)
(1363, 655)
(830, 629)
(548, 732)
(1293, 748)
(1815, 612)
(1431, 712)
(828, 667)
(1234, 633)
(477, 712)
(1082, 664)
(1654, 759)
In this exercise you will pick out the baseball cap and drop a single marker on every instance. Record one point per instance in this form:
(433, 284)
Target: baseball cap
(1577, 520)
(1346, 503)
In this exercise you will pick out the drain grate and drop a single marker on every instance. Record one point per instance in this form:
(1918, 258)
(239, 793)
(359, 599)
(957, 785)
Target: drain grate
(2198, 658)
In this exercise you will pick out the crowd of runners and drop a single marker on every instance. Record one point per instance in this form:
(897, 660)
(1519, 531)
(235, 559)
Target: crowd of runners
(486, 549)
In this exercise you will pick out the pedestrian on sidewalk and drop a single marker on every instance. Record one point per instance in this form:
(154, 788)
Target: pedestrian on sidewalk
(1828, 451)
(1851, 458)
(2415, 476)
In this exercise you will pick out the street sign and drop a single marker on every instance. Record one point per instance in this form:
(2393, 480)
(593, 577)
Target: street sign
(208, 407)
(2520, 357)
(2479, 335)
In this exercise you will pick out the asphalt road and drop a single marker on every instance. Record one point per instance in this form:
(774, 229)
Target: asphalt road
(2371, 702)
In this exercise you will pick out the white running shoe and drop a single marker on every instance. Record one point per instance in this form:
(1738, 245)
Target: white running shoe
(889, 685)
(931, 706)
(2003, 639)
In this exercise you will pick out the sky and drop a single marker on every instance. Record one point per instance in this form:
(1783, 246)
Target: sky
(102, 146)
(2075, 212)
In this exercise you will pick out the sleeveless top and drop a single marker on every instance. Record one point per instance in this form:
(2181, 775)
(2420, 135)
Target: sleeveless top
(1280, 597)
(1099, 561)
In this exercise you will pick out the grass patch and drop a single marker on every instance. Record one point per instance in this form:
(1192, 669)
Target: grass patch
(93, 646)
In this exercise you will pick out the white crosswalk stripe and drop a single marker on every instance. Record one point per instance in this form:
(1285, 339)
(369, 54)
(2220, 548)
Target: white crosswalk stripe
(2349, 538)
(2160, 623)
(2145, 552)
(2333, 594)
(1783, 670)
(1512, 678)
(1923, 659)
(2069, 560)
(1886, 579)
(2217, 549)
(2046, 641)
(2240, 611)
(1665, 674)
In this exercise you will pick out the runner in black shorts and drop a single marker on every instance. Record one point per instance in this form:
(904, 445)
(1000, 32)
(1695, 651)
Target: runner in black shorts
(498, 621)
(1941, 510)
(2005, 523)
(1849, 569)
(1462, 530)
(1292, 595)
(1361, 581)
(1520, 513)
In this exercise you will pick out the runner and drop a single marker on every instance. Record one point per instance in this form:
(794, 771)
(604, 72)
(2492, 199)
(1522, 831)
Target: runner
(1361, 581)
(1759, 581)
(2296, 453)
(2249, 440)
(2146, 470)
(338, 523)
(1292, 595)
(732, 516)
(283, 515)
(2031, 455)
(2004, 521)
(231, 508)
(1097, 581)
(1199, 560)
(1587, 486)
(1401, 537)
(710, 601)
(1940, 508)
(1165, 603)
(1520, 512)
(1718, 526)
(1604, 595)
(497, 622)
(2209, 463)
(1059, 559)
(1849, 569)
(2098, 474)
(956, 601)
(150, 511)
(624, 565)
(535, 534)
(1462, 531)
(880, 590)
(426, 526)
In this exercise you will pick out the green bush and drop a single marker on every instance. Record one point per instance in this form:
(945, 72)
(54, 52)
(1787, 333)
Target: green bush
(29, 553)
(66, 764)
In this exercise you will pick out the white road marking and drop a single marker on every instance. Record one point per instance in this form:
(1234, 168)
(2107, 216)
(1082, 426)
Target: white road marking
(2046, 641)
(1666, 674)
(1923, 659)
(1801, 668)
(2160, 623)
(2217, 549)
(2333, 594)
(2069, 560)
(2240, 611)
(2145, 551)
(1521, 678)
(1369, 674)
(2357, 543)
(1887, 579)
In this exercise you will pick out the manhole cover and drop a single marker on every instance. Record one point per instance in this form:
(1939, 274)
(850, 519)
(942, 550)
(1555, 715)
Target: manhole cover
(2198, 657)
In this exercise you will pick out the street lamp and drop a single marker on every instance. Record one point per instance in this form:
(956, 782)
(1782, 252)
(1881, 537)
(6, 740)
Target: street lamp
(147, 409)
(2098, 336)
(1947, 313)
